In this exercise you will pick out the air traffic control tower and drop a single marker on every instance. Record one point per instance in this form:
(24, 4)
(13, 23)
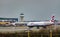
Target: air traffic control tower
(21, 17)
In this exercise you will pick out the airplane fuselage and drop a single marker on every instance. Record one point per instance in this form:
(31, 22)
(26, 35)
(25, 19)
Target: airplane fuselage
(40, 24)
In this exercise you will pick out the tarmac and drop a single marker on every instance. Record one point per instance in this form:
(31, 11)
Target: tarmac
(24, 28)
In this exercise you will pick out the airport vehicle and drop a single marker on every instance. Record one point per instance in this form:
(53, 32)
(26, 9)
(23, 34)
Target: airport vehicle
(2, 23)
(41, 23)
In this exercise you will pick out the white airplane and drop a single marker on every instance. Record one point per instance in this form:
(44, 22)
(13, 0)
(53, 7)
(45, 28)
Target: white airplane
(41, 24)
(18, 23)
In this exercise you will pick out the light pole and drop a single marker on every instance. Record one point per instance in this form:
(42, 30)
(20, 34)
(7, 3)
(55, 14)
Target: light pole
(50, 32)
(28, 32)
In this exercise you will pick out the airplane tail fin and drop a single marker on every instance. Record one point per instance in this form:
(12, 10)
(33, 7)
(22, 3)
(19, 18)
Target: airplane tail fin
(52, 19)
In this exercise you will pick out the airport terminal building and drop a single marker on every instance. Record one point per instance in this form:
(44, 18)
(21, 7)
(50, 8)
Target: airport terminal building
(8, 19)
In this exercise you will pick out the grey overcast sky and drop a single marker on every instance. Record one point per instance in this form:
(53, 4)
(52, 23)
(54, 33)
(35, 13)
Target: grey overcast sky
(33, 9)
